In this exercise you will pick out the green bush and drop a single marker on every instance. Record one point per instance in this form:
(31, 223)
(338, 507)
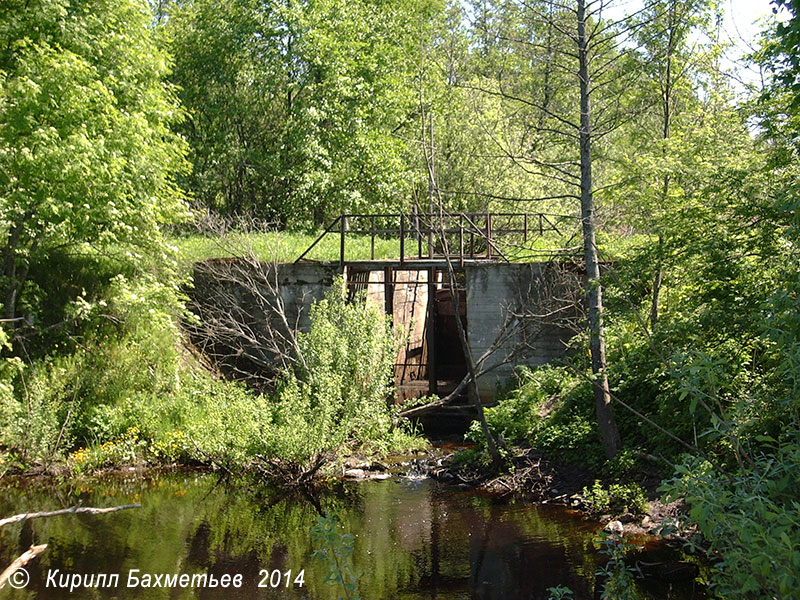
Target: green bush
(615, 499)
(551, 411)
(35, 413)
(341, 395)
(126, 394)
(749, 521)
(571, 439)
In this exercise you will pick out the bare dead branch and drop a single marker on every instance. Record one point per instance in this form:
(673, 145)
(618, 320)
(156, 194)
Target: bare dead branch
(20, 562)
(244, 326)
(74, 510)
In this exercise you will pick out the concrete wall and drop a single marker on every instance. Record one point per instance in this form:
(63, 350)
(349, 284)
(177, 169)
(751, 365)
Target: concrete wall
(241, 329)
(539, 298)
(534, 302)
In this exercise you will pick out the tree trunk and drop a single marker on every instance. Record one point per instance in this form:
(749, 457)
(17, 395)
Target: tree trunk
(657, 279)
(602, 397)
(666, 97)
(11, 281)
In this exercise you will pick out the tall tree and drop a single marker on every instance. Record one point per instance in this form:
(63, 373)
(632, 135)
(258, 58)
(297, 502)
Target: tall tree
(673, 60)
(576, 97)
(605, 415)
(87, 156)
(294, 106)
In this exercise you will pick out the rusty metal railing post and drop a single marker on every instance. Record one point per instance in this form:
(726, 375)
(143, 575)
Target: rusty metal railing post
(488, 235)
(372, 237)
(525, 229)
(461, 239)
(419, 233)
(402, 237)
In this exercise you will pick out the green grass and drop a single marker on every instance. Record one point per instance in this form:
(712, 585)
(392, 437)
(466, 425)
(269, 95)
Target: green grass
(287, 246)
(284, 246)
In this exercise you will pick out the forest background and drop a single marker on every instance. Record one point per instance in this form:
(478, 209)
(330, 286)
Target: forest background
(122, 122)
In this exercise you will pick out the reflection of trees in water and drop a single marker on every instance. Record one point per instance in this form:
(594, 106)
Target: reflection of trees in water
(187, 524)
(414, 541)
(516, 552)
(485, 550)
(569, 532)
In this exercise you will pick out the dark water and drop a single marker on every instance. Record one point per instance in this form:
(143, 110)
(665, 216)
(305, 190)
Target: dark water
(414, 540)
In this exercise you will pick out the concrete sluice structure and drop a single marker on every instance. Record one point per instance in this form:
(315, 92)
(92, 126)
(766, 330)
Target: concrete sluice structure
(518, 313)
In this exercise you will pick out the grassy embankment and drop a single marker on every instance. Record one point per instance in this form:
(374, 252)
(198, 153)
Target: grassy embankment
(114, 383)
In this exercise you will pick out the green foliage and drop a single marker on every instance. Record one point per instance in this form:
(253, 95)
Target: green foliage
(286, 246)
(86, 152)
(749, 521)
(340, 393)
(210, 421)
(126, 449)
(551, 411)
(334, 551)
(126, 394)
(10, 368)
(515, 417)
(615, 499)
(779, 105)
(559, 593)
(619, 577)
(623, 466)
(95, 387)
(571, 439)
(292, 106)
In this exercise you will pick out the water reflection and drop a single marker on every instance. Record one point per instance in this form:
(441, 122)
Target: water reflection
(414, 540)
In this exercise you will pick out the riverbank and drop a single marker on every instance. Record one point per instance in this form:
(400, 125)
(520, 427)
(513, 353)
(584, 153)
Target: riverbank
(531, 478)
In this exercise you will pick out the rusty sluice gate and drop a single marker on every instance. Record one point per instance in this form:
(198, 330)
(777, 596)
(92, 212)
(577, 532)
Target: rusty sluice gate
(416, 290)
(419, 300)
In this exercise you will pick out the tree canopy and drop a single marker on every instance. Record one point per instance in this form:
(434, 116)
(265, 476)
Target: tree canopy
(88, 153)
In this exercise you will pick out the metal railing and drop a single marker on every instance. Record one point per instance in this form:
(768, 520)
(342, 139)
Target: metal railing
(460, 236)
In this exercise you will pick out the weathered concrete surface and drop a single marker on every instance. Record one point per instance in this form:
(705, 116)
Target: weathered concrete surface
(298, 285)
(532, 308)
(248, 311)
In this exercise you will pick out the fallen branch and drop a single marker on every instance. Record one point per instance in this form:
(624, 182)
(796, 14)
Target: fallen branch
(210, 458)
(20, 562)
(424, 408)
(66, 511)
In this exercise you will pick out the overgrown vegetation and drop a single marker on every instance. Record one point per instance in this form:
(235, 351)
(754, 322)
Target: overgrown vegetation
(127, 395)
(116, 117)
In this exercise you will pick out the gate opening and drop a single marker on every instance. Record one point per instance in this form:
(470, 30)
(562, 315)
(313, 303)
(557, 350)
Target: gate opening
(420, 303)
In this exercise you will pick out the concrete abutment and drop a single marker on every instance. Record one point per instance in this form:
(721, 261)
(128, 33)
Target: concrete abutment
(533, 307)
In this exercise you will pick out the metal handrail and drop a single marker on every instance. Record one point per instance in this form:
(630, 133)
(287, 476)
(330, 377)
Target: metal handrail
(468, 226)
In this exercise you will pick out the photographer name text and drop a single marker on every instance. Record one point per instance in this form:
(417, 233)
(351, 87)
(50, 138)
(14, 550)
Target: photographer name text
(134, 578)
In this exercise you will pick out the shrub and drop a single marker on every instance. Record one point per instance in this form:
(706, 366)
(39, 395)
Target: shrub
(616, 499)
(749, 521)
(341, 395)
